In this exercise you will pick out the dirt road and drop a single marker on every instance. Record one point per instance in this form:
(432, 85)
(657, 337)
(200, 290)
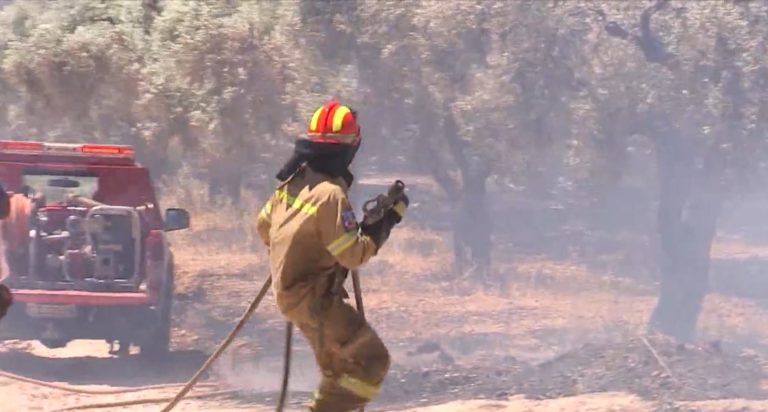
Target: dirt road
(87, 365)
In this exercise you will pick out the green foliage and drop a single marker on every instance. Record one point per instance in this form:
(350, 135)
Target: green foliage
(540, 90)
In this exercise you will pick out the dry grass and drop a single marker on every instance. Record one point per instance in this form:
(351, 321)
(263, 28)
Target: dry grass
(738, 249)
(545, 306)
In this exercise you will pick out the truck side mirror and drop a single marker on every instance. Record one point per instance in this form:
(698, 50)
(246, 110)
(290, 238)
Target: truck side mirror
(176, 219)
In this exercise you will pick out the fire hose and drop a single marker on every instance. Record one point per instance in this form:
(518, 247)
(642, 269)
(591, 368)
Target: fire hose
(373, 210)
(288, 342)
(173, 401)
(76, 389)
(145, 401)
(222, 347)
(358, 302)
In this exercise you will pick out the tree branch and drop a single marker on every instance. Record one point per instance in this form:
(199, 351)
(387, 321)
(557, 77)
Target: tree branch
(455, 143)
(427, 122)
(653, 48)
(651, 45)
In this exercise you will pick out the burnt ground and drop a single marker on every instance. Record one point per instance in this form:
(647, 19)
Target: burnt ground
(552, 335)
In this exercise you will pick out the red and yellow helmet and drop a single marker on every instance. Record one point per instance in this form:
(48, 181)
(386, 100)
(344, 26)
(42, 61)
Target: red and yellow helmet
(334, 123)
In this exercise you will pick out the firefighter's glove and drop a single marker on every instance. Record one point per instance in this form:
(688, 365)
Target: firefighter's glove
(6, 300)
(380, 230)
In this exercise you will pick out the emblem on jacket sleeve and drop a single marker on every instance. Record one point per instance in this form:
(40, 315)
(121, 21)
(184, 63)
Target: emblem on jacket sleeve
(348, 219)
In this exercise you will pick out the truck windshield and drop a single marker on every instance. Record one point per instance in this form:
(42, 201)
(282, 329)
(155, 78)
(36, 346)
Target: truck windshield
(56, 187)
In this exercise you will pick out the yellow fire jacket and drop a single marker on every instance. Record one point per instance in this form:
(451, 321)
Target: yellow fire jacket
(310, 228)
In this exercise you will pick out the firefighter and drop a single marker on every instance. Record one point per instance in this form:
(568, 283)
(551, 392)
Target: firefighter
(6, 299)
(313, 238)
(5, 203)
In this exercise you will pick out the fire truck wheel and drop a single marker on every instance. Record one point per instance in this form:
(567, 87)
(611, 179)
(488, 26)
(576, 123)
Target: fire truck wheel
(54, 343)
(160, 340)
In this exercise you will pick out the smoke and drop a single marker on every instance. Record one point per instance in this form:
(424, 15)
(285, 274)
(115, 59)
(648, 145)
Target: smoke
(256, 373)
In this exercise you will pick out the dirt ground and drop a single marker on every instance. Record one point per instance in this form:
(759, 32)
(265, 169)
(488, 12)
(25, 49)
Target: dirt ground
(545, 335)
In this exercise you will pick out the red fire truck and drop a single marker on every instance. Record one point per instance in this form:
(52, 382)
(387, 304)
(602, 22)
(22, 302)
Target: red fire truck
(85, 251)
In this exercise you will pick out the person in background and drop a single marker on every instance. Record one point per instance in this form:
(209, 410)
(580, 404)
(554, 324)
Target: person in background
(6, 298)
(5, 203)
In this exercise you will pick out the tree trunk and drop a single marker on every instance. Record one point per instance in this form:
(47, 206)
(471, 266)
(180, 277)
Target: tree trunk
(228, 186)
(151, 10)
(689, 206)
(233, 186)
(472, 225)
(214, 188)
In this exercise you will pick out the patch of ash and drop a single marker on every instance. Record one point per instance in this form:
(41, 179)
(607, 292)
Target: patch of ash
(690, 373)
